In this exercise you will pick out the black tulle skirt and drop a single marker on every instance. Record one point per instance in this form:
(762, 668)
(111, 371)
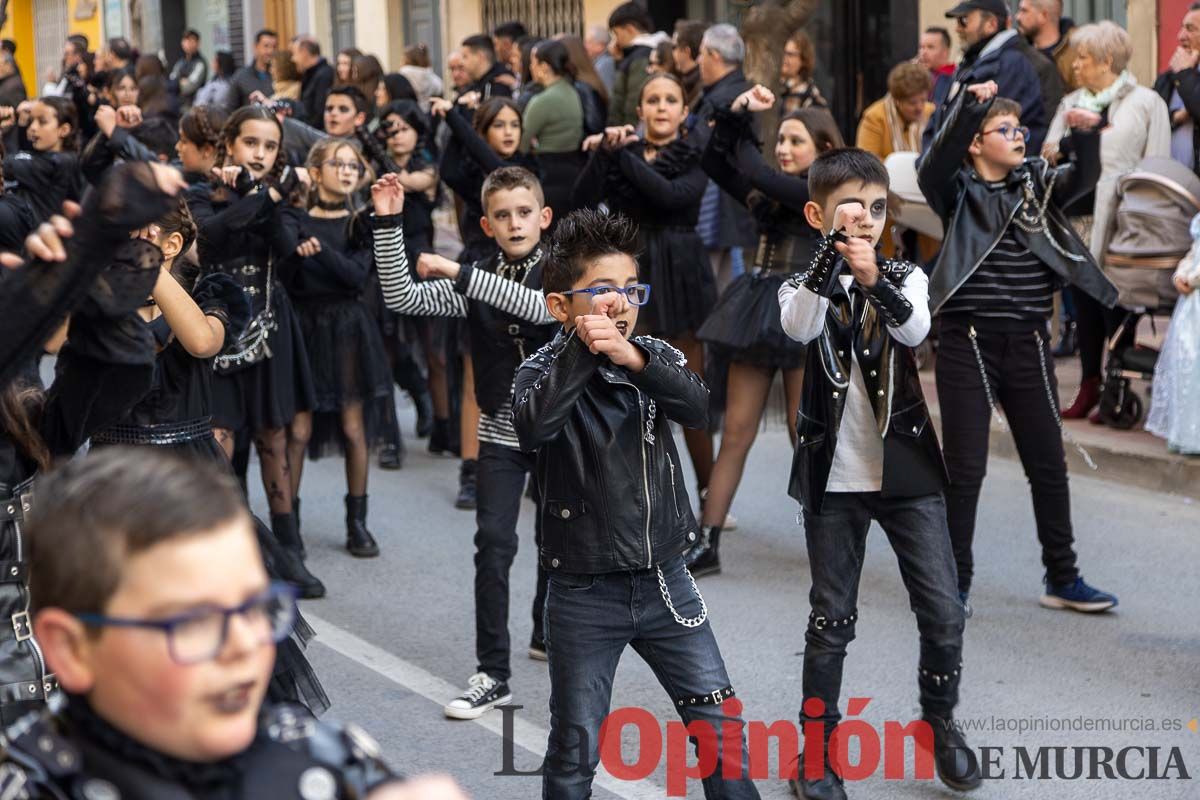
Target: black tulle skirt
(744, 326)
(268, 394)
(682, 288)
(349, 365)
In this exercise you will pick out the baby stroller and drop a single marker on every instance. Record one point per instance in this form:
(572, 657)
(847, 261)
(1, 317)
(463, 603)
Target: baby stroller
(1151, 232)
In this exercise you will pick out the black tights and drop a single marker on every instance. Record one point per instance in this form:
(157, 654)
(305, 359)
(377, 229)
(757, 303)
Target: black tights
(1095, 324)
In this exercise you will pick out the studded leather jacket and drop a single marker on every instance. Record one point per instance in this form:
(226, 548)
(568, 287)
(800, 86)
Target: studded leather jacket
(612, 490)
(872, 330)
(69, 755)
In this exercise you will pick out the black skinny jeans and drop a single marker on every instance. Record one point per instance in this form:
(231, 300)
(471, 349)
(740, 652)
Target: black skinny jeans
(1014, 370)
(1094, 324)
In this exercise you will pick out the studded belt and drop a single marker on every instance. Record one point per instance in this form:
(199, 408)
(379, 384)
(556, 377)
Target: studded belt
(194, 430)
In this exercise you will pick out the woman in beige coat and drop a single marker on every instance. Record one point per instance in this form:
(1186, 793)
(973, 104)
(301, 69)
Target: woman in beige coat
(1136, 125)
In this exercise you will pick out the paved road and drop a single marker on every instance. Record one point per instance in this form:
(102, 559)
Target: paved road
(396, 633)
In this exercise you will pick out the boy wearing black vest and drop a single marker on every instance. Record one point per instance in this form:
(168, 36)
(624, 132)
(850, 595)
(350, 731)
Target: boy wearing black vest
(507, 320)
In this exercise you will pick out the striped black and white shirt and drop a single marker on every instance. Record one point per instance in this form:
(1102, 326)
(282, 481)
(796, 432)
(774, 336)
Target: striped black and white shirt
(1011, 283)
(440, 298)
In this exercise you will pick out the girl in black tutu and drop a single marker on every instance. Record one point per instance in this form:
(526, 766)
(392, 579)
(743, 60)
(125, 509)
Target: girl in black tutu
(657, 180)
(478, 146)
(192, 319)
(263, 379)
(744, 329)
(325, 257)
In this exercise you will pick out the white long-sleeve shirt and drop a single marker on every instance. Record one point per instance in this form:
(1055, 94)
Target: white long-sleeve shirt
(858, 458)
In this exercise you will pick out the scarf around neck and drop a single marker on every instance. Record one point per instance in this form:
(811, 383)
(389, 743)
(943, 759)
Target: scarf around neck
(1098, 101)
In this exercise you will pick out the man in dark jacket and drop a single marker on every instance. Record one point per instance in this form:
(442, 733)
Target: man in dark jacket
(316, 79)
(1042, 23)
(256, 76)
(1047, 73)
(488, 76)
(1179, 86)
(596, 404)
(990, 53)
(630, 25)
(190, 72)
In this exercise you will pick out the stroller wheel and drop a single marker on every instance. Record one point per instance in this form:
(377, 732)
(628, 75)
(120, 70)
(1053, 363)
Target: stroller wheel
(1129, 414)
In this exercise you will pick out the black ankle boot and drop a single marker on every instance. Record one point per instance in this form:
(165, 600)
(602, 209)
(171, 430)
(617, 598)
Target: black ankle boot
(424, 404)
(828, 787)
(705, 557)
(289, 562)
(391, 457)
(300, 536)
(956, 763)
(466, 484)
(439, 437)
(1068, 341)
(359, 540)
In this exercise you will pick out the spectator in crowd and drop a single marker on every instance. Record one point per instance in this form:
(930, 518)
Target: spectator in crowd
(990, 52)
(74, 51)
(596, 44)
(1047, 74)
(479, 59)
(418, 69)
(724, 224)
(286, 77)
(661, 61)
(219, 91)
(459, 78)
(366, 72)
(117, 55)
(688, 34)
(12, 88)
(934, 55)
(1043, 24)
(587, 82)
(190, 72)
(316, 79)
(1179, 86)
(154, 94)
(393, 87)
(552, 124)
(345, 63)
(796, 74)
(521, 80)
(505, 38)
(630, 26)
(256, 76)
(1134, 124)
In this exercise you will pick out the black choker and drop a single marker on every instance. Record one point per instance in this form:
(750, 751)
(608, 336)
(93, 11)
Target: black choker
(340, 205)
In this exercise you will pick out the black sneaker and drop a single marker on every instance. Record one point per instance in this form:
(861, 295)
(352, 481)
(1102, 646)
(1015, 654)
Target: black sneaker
(537, 648)
(482, 695)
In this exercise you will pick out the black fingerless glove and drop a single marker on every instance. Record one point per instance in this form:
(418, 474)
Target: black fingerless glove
(822, 274)
(888, 300)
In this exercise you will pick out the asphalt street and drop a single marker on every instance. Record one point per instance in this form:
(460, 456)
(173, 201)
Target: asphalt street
(396, 634)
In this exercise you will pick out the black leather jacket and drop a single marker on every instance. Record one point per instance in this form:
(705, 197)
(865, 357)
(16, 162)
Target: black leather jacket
(613, 497)
(975, 214)
(856, 323)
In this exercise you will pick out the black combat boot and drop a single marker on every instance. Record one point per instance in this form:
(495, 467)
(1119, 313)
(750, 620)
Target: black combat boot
(289, 563)
(359, 540)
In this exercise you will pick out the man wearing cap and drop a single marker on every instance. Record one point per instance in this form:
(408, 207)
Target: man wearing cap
(991, 53)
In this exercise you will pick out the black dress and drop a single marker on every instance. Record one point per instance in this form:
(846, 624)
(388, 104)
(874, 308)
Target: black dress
(345, 350)
(745, 327)
(44, 180)
(663, 198)
(234, 237)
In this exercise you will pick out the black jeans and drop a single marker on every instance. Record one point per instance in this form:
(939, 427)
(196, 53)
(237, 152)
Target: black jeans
(500, 484)
(836, 539)
(1014, 361)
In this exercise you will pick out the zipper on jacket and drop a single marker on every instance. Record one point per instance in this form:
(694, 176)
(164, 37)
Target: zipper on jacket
(31, 641)
(645, 475)
(674, 497)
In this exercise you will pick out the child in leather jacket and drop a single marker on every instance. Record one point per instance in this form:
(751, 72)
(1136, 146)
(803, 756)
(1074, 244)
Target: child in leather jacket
(595, 404)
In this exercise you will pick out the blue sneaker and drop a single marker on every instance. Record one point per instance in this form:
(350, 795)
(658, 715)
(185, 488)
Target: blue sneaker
(1078, 596)
(964, 598)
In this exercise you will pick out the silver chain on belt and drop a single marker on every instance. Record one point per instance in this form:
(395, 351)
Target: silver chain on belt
(687, 622)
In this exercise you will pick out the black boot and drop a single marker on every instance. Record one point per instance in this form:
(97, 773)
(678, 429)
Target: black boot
(300, 536)
(828, 787)
(1068, 341)
(466, 484)
(705, 557)
(424, 404)
(439, 437)
(391, 456)
(956, 763)
(289, 562)
(359, 540)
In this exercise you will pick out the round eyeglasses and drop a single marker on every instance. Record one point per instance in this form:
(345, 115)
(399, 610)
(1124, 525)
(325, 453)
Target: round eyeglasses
(1009, 132)
(638, 294)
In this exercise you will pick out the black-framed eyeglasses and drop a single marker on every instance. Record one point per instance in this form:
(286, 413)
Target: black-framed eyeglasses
(199, 634)
(1009, 132)
(339, 165)
(638, 294)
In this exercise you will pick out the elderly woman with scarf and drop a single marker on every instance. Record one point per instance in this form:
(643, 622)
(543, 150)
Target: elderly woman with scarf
(1134, 124)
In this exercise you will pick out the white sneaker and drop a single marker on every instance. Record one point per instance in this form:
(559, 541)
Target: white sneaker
(482, 695)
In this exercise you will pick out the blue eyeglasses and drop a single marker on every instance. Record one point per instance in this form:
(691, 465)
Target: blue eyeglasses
(638, 293)
(1009, 132)
(199, 634)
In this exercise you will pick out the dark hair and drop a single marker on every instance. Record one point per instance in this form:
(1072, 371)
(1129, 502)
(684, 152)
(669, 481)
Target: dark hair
(808, 54)
(352, 52)
(202, 125)
(398, 87)
(148, 66)
(942, 32)
(159, 135)
(525, 46)
(233, 126)
(417, 55)
(262, 34)
(310, 44)
(20, 411)
(663, 76)
(113, 504)
(226, 66)
(191, 33)
(513, 29)
(489, 109)
(820, 126)
(9, 46)
(507, 178)
(482, 43)
(366, 72)
(354, 93)
(120, 47)
(283, 68)
(582, 237)
(407, 110)
(118, 75)
(64, 110)
(555, 56)
(1000, 107)
(835, 168)
(664, 52)
(178, 219)
(630, 14)
(689, 33)
(585, 71)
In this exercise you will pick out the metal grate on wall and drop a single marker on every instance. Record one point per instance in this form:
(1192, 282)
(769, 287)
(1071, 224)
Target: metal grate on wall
(542, 18)
(237, 32)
